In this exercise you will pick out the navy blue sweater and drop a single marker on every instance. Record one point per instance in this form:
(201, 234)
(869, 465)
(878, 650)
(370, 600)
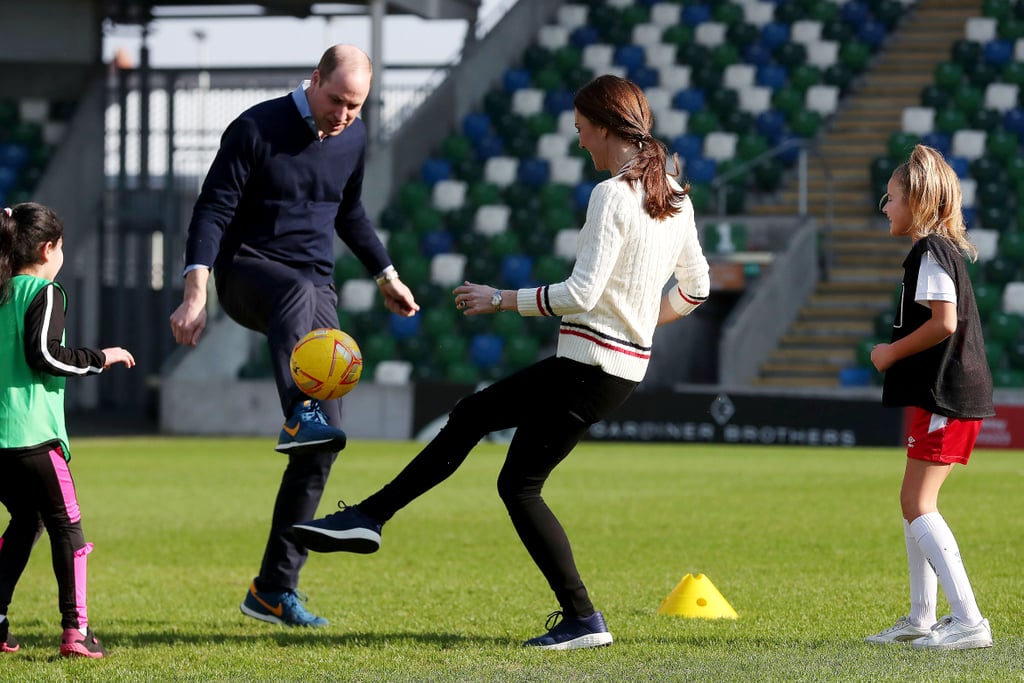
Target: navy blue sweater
(276, 191)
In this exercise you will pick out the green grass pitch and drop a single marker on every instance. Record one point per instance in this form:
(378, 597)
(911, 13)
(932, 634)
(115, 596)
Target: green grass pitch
(806, 544)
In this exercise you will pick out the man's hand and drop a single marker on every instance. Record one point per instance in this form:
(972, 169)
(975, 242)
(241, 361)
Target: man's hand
(189, 320)
(398, 298)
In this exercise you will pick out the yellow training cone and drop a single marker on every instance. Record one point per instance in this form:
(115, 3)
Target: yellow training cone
(696, 596)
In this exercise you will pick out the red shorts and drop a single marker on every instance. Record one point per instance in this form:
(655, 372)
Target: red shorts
(936, 438)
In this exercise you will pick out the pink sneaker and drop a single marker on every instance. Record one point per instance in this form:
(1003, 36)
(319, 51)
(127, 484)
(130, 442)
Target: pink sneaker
(74, 644)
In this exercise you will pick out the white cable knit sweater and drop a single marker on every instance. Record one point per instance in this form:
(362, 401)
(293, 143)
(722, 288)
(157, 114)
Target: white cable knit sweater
(609, 305)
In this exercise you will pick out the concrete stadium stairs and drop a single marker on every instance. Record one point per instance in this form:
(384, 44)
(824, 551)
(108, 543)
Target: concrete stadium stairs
(864, 261)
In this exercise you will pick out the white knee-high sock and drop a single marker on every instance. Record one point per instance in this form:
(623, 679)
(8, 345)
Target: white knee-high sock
(923, 583)
(938, 544)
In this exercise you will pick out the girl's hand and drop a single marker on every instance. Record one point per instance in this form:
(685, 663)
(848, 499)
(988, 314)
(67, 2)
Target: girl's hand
(881, 357)
(116, 354)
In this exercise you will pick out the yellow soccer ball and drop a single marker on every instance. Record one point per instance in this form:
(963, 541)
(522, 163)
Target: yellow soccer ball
(326, 364)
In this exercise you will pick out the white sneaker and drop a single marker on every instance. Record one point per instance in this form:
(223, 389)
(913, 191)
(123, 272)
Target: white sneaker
(950, 634)
(901, 632)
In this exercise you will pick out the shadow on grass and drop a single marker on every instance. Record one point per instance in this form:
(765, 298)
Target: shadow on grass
(299, 637)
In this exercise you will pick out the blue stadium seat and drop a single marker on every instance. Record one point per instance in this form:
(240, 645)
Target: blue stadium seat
(688, 145)
(515, 79)
(533, 172)
(629, 56)
(1013, 122)
(689, 100)
(489, 146)
(476, 126)
(517, 271)
(581, 194)
(758, 54)
(997, 53)
(938, 141)
(961, 166)
(701, 170)
(872, 33)
(581, 36)
(434, 169)
(774, 34)
(557, 101)
(403, 327)
(13, 155)
(771, 123)
(772, 76)
(436, 242)
(692, 15)
(485, 350)
(854, 12)
(644, 76)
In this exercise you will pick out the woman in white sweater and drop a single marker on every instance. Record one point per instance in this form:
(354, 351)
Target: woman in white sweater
(639, 231)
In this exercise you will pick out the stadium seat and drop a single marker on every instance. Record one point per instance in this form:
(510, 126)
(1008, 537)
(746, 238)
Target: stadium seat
(805, 31)
(448, 194)
(980, 29)
(357, 296)
(659, 55)
(1013, 298)
(526, 101)
(566, 170)
(566, 242)
(517, 271)
(491, 219)
(720, 146)
(755, 99)
(986, 241)
(1001, 96)
(501, 171)
(485, 350)
(822, 53)
(918, 120)
(969, 190)
(447, 270)
(969, 144)
(822, 99)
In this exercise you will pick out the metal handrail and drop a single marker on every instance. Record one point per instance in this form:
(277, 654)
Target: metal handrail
(718, 184)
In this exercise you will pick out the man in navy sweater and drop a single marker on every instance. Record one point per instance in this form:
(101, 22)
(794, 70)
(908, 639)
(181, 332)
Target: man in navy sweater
(288, 176)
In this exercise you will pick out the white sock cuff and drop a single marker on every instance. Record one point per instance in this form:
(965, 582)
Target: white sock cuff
(926, 523)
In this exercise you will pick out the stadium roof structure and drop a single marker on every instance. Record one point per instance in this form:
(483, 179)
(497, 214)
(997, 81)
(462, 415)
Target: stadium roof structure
(144, 11)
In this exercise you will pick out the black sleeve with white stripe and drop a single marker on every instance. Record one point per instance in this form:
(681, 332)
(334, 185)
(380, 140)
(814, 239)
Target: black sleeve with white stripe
(44, 327)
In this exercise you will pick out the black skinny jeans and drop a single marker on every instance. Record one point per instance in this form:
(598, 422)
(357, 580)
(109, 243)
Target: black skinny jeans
(551, 404)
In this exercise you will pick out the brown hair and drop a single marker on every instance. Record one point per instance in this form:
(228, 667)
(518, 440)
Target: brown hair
(621, 106)
(933, 195)
(24, 228)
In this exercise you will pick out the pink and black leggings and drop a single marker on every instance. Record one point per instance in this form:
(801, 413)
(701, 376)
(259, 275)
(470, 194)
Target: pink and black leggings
(37, 489)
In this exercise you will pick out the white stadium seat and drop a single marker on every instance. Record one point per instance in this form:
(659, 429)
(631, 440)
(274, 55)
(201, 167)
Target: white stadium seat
(491, 219)
(805, 31)
(918, 120)
(822, 98)
(566, 241)
(573, 16)
(720, 146)
(598, 56)
(738, 76)
(659, 55)
(969, 190)
(674, 77)
(758, 13)
(501, 170)
(1001, 96)
(393, 372)
(980, 29)
(566, 170)
(358, 296)
(448, 194)
(986, 241)
(554, 145)
(447, 269)
(1013, 298)
(665, 14)
(567, 123)
(755, 99)
(969, 144)
(710, 33)
(647, 34)
(822, 53)
(669, 123)
(553, 36)
(528, 101)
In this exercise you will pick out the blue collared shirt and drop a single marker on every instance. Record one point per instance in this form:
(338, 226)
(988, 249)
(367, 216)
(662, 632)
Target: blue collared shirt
(299, 97)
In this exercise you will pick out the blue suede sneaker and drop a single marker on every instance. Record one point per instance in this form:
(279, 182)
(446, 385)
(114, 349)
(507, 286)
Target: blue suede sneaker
(572, 634)
(307, 431)
(349, 530)
(284, 607)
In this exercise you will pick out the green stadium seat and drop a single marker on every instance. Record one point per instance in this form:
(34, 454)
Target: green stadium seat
(462, 372)
(1002, 145)
(412, 195)
(989, 298)
(1011, 245)
(949, 119)
(804, 76)
(520, 351)
(348, 267)
(948, 76)
(450, 348)
(966, 53)
(996, 355)
(1003, 328)
(900, 145)
(968, 98)
(855, 55)
(883, 324)
(934, 97)
(1007, 378)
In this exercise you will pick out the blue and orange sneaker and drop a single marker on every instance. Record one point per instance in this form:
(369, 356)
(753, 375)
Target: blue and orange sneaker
(7, 641)
(307, 431)
(574, 633)
(284, 607)
(76, 644)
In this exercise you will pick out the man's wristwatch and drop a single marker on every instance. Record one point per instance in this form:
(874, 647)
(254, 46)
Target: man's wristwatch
(496, 299)
(387, 276)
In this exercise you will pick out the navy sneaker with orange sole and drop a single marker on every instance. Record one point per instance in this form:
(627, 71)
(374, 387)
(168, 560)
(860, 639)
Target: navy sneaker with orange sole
(279, 607)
